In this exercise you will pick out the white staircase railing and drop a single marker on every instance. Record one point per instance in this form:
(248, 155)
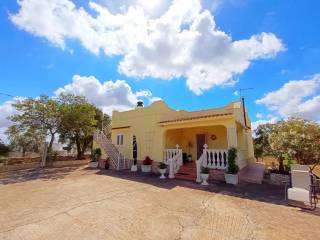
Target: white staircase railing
(213, 159)
(117, 160)
(173, 158)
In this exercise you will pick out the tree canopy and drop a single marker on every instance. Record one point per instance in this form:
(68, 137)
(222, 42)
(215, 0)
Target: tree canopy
(295, 138)
(26, 139)
(71, 117)
(42, 113)
(78, 122)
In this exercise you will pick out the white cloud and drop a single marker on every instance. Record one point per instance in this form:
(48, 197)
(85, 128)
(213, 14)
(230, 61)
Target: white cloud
(295, 98)
(152, 8)
(106, 95)
(181, 40)
(259, 115)
(255, 124)
(6, 110)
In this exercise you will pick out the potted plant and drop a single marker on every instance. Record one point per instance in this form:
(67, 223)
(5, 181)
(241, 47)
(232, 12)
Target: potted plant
(205, 175)
(231, 176)
(146, 164)
(162, 170)
(95, 156)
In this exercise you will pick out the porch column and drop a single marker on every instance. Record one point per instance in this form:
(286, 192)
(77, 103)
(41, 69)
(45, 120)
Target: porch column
(232, 136)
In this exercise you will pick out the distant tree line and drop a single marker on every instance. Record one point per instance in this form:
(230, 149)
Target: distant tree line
(69, 117)
(295, 139)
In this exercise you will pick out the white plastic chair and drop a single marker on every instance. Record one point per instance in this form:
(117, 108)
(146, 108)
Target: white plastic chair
(302, 189)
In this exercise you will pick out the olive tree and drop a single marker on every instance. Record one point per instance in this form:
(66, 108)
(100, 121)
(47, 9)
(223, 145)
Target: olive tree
(25, 139)
(298, 138)
(79, 121)
(261, 141)
(42, 114)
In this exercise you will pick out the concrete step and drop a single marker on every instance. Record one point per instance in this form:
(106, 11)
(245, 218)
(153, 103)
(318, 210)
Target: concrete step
(185, 177)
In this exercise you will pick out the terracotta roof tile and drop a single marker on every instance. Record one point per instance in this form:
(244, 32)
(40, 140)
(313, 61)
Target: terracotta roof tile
(185, 118)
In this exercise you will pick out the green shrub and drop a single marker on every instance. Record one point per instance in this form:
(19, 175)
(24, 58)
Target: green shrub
(95, 154)
(162, 165)
(205, 170)
(2, 159)
(233, 168)
(52, 156)
(4, 149)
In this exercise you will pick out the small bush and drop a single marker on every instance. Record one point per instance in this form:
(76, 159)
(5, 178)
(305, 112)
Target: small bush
(233, 168)
(2, 159)
(52, 156)
(162, 165)
(4, 149)
(205, 170)
(95, 154)
(147, 161)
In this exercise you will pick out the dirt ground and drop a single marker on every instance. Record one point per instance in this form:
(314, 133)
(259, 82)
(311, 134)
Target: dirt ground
(79, 203)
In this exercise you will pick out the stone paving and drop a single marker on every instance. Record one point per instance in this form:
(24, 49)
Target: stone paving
(79, 203)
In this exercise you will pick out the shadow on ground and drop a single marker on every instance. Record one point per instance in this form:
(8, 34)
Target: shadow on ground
(47, 174)
(258, 192)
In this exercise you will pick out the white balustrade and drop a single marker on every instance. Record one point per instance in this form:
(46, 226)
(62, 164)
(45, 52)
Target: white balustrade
(211, 158)
(173, 158)
(215, 158)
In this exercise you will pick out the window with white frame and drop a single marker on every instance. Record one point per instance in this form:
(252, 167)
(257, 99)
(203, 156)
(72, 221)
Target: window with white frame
(120, 139)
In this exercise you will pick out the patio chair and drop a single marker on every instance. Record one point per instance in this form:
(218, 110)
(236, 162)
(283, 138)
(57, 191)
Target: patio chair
(302, 188)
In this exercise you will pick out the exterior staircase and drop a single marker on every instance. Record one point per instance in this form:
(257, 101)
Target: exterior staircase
(117, 160)
(187, 171)
(253, 173)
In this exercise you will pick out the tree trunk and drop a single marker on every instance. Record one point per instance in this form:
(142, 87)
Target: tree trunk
(23, 151)
(281, 167)
(51, 142)
(78, 144)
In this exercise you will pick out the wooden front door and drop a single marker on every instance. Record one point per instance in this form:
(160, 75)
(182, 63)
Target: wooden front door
(201, 140)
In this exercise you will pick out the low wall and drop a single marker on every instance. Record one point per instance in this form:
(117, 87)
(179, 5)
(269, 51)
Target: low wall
(19, 166)
(278, 179)
(69, 163)
(154, 168)
(18, 163)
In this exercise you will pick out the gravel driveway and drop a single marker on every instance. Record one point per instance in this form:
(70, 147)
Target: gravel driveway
(79, 203)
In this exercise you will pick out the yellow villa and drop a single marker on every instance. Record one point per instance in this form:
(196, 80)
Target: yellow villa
(179, 138)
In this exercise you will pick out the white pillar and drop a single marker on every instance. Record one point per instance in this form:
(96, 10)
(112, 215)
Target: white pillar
(171, 169)
(232, 136)
(198, 164)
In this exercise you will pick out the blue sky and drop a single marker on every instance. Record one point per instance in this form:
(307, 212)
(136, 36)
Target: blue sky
(40, 54)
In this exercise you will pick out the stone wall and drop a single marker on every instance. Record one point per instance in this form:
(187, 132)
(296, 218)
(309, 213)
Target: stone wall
(17, 163)
(278, 179)
(61, 163)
